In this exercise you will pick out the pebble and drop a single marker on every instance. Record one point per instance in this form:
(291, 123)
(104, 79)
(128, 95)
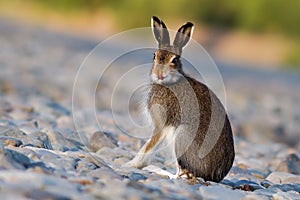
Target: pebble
(101, 139)
(286, 187)
(266, 183)
(105, 174)
(9, 141)
(18, 158)
(255, 197)
(61, 143)
(42, 186)
(136, 177)
(290, 165)
(213, 192)
(228, 183)
(82, 180)
(84, 166)
(286, 196)
(38, 139)
(5, 106)
(58, 109)
(12, 132)
(144, 188)
(111, 154)
(247, 185)
(121, 161)
(283, 177)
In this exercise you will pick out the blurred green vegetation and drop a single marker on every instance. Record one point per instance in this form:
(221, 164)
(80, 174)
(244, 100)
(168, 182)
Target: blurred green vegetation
(271, 16)
(253, 15)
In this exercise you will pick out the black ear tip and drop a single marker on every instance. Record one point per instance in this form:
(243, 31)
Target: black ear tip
(154, 18)
(189, 24)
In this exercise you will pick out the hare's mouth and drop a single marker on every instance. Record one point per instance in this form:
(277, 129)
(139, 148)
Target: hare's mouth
(157, 78)
(167, 79)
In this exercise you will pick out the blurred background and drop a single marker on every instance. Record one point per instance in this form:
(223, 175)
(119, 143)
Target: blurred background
(260, 33)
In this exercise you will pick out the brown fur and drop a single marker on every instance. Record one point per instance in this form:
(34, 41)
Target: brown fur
(186, 110)
(217, 163)
(199, 113)
(152, 142)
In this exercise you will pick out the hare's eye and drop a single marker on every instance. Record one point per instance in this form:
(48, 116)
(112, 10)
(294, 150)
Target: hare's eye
(154, 56)
(174, 60)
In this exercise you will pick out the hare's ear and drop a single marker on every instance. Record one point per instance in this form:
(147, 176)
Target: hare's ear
(160, 32)
(183, 35)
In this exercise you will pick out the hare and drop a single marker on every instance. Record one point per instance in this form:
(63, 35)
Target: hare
(186, 113)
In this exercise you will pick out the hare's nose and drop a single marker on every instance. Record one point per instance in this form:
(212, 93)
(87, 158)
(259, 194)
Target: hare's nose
(160, 76)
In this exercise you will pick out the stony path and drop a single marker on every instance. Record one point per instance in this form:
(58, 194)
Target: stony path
(43, 156)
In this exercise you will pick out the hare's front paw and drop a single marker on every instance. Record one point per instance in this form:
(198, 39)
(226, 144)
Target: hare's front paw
(131, 164)
(161, 172)
(135, 163)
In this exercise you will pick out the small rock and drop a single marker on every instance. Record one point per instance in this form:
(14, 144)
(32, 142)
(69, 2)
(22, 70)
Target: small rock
(8, 141)
(286, 196)
(81, 180)
(38, 139)
(290, 165)
(8, 163)
(228, 182)
(5, 106)
(40, 186)
(121, 161)
(62, 163)
(283, 177)
(247, 185)
(281, 135)
(111, 154)
(58, 109)
(40, 194)
(28, 129)
(61, 143)
(102, 139)
(12, 132)
(84, 166)
(265, 192)
(96, 160)
(144, 188)
(237, 170)
(221, 192)
(64, 121)
(18, 157)
(19, 115)
(266, 183)
(242, 166)
(136, 176)
(105, 174)
(286, 187)
(256, 197)
(257, 174)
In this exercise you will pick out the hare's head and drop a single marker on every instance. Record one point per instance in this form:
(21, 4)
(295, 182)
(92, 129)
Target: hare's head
(167, 67)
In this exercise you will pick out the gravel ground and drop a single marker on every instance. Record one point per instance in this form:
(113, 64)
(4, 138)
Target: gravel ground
(43, 155)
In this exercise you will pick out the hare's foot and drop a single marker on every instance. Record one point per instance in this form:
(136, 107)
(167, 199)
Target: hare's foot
(185, 174)
(137, 162)
(191, 179)
(132, 163)
(159, 171)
